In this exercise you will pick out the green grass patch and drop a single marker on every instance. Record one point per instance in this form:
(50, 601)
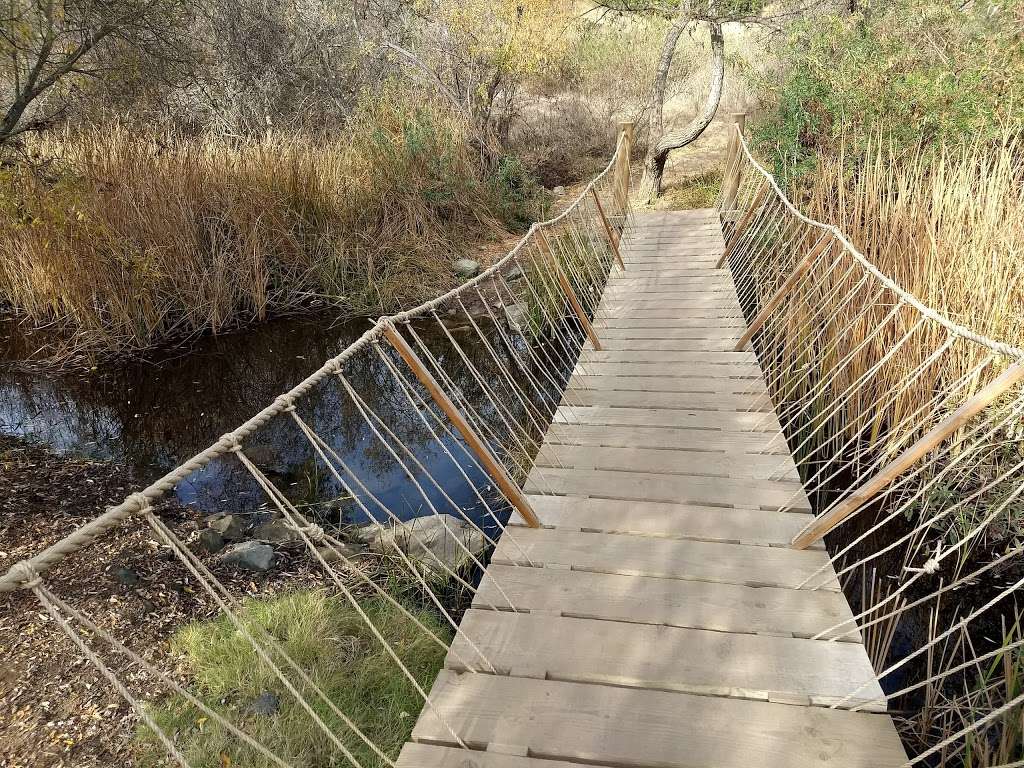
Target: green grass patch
(332, 644)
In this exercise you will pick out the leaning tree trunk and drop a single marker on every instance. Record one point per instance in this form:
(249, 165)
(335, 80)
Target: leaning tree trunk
(660, 143)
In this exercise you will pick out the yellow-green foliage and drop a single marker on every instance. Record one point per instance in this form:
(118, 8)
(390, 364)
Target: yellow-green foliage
(929, 72)
(129, 240)
(334, 647)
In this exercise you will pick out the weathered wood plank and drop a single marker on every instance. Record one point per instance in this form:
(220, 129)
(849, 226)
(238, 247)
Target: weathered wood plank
(695, 358)
(680, 370)
(736, 386)
(707, 333)
(683, 559)
(662, 417)
(667, 400)
(743, 666)
(667, 520)
(645, 600)
(661, 461)
(683, 489)
(678, 344)
(715, 442)
(628, 727)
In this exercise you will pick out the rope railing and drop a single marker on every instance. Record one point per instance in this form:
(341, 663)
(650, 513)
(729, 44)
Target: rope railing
(905, 426)
(449, 401)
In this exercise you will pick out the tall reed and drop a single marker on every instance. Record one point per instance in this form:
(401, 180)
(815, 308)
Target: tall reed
(125, 241)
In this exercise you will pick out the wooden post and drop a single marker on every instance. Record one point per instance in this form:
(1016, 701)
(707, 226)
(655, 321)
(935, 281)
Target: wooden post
(494, 468)
(623, 166)
(608, 229)
(755, 204)
(920, 449)
(563, 280)
(805, 263)
(731, 182)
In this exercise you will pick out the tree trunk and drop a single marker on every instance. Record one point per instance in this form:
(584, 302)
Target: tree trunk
(660, 143)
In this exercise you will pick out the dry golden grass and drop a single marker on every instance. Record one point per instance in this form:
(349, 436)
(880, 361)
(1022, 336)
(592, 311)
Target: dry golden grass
(126, 241)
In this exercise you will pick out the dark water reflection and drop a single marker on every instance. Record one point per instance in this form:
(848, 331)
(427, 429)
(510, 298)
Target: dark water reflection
(152, 416)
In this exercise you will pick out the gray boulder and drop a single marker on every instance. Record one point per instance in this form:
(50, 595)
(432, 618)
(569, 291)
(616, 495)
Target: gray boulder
(466, 268)
(231, 527)
(430, 540)
(210, 540)
(250, 556)
(275, 532)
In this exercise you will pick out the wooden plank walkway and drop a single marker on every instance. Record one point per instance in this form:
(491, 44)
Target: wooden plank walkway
(654, 620)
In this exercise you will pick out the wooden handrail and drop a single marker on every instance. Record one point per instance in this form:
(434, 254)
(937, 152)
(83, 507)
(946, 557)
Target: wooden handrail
(920, 449)
(497, 472)
(608, 228)
(744, 222)
(805, 263)
(570, 293)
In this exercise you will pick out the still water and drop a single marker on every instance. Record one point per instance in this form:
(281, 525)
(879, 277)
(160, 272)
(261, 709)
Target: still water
(153, 415)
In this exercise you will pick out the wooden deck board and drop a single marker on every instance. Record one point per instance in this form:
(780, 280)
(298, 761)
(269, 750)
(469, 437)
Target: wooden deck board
(665, 658)
(646, 600)
(683, 559)
(665, 461)
(620, 726)
(667, 519)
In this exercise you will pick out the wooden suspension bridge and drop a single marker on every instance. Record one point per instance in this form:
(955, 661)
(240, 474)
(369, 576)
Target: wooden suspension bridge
(650, 603)
(660, 624)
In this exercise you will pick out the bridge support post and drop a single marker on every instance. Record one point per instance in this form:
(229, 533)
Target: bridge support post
(493, 467)
(623, 167)
(731, 177)
(608, 229)
(935, 437)
(570, 293)
(806, 262)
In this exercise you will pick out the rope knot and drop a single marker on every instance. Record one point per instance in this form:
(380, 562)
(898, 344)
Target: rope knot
(27, 574)
(285, 403)
(931, 565)
(140, 501)
(229, 442)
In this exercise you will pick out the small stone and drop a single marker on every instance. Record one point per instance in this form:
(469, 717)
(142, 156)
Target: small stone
(125, 576)
(518, 316)
(466, 268)
(559, 190)
(231, 527)
(516, 273)
(210, 540)
(335, 554)
(250, 556)
(266, 703)
(275, 532)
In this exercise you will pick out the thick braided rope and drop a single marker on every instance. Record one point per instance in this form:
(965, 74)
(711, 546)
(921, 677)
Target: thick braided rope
(21, 572)
(996, 346)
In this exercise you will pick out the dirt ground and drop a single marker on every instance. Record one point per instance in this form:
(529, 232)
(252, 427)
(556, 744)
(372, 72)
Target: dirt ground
(55, 708)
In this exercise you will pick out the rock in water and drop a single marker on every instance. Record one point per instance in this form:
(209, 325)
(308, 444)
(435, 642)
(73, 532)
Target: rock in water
(211, 540)
(250, 556)
(231, 527)
(466, 268)
(431, 540)
(275, 532)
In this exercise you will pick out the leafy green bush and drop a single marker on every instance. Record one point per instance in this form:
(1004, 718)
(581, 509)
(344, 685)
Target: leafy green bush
(927, 72)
